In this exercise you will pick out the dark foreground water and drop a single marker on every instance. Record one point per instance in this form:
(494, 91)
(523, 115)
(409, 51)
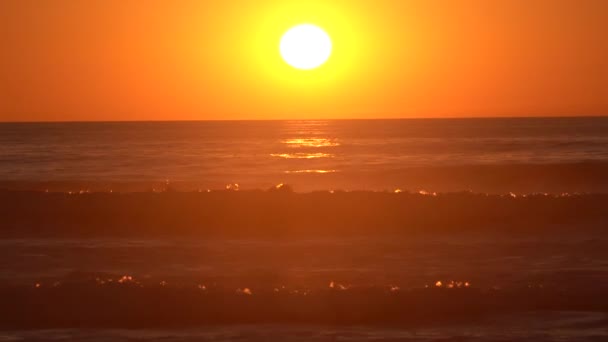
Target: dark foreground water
(572, 326)
(446, 287)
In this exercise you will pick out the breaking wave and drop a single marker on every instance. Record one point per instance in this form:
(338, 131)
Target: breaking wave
(281, 211)
(100, 301)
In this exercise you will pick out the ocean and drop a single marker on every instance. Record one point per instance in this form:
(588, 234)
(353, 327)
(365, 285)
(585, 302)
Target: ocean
(363, 230)
(481, 155)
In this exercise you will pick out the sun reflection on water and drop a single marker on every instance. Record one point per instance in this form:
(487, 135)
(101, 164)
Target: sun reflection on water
(302, 155)
(307, 141)
(311, 142)
(312, 171)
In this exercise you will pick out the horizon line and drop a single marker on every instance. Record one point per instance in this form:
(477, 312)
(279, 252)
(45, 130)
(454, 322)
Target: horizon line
(329, 119)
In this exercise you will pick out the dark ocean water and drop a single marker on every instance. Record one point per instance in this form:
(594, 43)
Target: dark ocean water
(451, 287)
(556, 327)
(476, 230)
(553, 154)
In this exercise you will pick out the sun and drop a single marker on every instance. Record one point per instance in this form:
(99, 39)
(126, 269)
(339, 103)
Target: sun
(306, 47)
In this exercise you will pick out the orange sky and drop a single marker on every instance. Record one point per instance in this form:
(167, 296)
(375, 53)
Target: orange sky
(189, 59)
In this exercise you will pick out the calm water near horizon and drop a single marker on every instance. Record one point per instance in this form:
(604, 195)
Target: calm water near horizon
(311, 155)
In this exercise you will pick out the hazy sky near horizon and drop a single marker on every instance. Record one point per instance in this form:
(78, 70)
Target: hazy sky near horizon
(186, 59)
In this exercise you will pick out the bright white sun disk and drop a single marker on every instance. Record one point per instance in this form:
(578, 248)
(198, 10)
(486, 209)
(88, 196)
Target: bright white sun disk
(306, 47)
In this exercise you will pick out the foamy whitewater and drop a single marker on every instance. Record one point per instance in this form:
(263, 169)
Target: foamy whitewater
(382, 230)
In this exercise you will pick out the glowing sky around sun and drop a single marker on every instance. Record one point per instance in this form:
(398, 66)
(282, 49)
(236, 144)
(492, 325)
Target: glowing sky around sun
(188, 59)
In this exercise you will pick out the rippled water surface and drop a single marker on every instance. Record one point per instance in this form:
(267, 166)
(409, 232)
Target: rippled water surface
(579, 326)
(574, 261)
(267, 152)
